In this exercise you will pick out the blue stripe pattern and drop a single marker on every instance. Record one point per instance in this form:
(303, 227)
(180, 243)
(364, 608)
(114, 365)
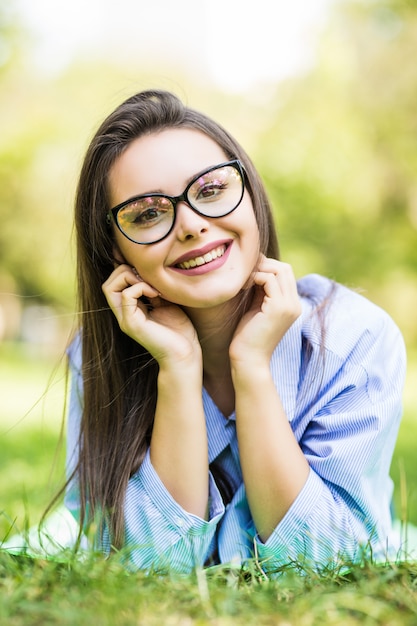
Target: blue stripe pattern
(344, 405)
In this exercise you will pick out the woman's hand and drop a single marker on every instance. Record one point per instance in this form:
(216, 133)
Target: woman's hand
(161, 327)
(274, 308)
(273, 466)
(178, 448)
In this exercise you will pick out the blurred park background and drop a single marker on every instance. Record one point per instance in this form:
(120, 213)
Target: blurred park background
(323, 95)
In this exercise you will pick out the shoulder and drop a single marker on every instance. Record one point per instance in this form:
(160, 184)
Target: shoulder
(341, 318)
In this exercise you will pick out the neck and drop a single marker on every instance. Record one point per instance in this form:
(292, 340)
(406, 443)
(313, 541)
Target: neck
(215, 328)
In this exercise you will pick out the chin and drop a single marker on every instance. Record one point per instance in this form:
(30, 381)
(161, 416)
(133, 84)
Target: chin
(211, 301)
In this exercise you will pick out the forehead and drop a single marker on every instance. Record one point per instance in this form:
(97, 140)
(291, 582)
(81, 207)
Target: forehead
(162, 162)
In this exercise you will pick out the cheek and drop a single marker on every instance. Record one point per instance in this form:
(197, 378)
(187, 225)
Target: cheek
(253, 249)
(148, 264)
(145, 266)
(252, 231)
(133, 254)
(248, 215)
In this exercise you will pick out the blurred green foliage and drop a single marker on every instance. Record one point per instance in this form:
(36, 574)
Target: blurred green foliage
(335, 145)
(339, 154)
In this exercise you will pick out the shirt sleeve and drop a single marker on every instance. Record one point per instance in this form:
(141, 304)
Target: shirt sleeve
(160, 534)
(343, 511)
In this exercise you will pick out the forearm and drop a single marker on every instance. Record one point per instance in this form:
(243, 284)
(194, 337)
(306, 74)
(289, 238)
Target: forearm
(321, 529)
(273, 465)
(178, 448)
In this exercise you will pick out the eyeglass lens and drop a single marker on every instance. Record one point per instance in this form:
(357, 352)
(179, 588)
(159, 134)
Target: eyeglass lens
(216, 193)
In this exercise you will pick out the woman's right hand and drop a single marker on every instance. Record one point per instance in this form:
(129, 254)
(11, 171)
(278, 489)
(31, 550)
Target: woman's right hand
(161, 327)
(178, 447)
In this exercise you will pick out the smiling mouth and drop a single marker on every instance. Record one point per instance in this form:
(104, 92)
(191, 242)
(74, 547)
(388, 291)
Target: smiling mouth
(204, 259)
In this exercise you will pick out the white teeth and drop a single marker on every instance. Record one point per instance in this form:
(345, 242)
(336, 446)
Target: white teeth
(202, 260)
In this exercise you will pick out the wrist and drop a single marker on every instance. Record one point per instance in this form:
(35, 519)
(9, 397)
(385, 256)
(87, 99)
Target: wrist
(244, 356)
(181, 370)
(251, 370)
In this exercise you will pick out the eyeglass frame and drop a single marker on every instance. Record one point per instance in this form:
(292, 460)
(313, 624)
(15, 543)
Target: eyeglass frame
(235, 163)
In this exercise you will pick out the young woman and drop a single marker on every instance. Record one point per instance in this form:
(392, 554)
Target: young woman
(219, 409)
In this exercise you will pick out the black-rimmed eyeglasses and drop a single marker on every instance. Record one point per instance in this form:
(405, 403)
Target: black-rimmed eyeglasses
(148, 218)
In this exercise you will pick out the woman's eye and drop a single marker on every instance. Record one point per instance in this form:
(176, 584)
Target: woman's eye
(211, 190)
(147, 216)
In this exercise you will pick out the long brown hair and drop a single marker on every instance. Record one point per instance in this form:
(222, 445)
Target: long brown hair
(119, 375)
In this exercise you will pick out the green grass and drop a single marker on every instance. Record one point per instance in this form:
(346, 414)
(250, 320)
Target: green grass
(70, 591)
(37, 592)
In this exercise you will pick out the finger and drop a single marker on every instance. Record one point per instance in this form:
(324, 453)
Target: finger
(159, 302)
(125, 294)
(287, 278)
(273, 266)
(269, 283)
(124, 277)
(283, 272)
(280, 290)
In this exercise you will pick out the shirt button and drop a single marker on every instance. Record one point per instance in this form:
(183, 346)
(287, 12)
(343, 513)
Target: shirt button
(179, 522)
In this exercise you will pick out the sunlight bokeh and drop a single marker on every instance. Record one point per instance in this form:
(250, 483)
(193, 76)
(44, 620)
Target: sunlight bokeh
(235, 45)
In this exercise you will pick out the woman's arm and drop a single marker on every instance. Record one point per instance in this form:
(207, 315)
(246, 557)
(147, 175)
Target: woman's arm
(273, 466)
(346, 427)
(348, 437)
(159, 532)
(179, 451)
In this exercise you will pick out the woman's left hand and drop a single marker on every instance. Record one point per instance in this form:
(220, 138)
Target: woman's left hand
(274, 468)
(274, 308)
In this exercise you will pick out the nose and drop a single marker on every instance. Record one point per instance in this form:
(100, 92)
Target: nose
(188, 223)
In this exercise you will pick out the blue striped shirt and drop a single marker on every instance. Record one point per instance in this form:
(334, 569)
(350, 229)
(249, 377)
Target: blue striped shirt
(343, 401)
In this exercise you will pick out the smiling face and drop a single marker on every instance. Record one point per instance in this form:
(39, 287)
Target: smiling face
(203, 262)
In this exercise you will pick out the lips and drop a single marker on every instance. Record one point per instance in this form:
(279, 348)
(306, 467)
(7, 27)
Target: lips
(202, 256)
(202, 260)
